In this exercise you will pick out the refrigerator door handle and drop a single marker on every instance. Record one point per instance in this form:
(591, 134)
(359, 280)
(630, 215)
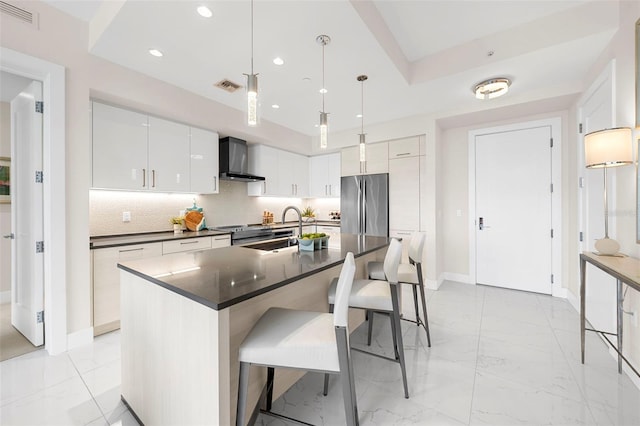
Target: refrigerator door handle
(364, 206)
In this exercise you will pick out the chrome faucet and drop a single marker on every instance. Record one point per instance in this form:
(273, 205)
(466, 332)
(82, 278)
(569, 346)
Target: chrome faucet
(286, 209)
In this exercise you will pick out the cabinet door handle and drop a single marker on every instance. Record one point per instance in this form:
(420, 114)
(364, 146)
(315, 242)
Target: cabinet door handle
(221, 239)
(135, 249)
(403, 153)
(330, 190)
(144, 178)
(265, 187)
(153, 178)
(215, 183)
(189, 242)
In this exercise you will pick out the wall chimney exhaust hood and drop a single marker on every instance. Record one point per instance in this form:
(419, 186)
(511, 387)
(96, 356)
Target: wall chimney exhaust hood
(234, 161)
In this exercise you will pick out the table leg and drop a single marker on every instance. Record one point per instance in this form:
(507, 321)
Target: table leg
(583, 267)
(619, 324)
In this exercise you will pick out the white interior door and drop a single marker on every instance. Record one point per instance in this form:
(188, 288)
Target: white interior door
(27, 272)
(596, 113)
(513, 209)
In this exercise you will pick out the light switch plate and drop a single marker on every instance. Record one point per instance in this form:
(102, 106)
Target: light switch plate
(126, 216)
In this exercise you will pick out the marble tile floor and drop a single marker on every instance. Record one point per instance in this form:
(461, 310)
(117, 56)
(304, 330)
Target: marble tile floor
(498, 357)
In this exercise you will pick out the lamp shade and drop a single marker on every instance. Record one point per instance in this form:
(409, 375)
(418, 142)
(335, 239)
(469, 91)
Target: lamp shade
(608, 148)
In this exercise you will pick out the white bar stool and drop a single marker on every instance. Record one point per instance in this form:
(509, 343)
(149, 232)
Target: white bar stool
(408, 273)
(382, 296)
(313, 341)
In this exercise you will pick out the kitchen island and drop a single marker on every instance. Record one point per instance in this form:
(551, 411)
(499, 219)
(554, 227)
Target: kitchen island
(183, 317)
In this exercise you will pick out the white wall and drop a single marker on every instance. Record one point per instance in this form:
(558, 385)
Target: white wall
(5, 209)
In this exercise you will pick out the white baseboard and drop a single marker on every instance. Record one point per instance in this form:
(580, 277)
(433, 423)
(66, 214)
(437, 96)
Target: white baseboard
(634, 379)
(5, 297)
(573, 300)
(459, 278)
(433, 284)
(560, 292)
(79, 338)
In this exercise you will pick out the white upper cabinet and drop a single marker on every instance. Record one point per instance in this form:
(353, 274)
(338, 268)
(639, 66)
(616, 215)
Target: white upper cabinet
(205, 164)
(377, 160)
(119, 148)
(134, 151)
(169, 157)
(408, 147)
(324, 176)
(286, 174)
(404, 194)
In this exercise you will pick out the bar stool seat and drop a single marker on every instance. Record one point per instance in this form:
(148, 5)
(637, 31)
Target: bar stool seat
(312, 341)
(366, 294)
(408, 273)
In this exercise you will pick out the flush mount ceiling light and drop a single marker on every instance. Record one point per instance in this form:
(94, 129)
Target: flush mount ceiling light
(156, 53)
(204, 11)
(323, 40)
(492, 88)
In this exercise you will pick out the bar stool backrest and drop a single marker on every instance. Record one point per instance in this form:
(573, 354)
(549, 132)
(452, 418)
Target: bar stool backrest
(416, 246)
(392, 260)
(343, 289)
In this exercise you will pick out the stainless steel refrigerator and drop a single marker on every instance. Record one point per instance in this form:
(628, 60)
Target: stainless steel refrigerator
(364, 205)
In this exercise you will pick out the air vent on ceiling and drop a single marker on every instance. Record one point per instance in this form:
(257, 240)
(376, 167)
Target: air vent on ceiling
(228, 85)
(19, 13)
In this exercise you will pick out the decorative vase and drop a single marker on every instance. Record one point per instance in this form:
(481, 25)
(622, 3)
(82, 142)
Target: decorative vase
(177, 228)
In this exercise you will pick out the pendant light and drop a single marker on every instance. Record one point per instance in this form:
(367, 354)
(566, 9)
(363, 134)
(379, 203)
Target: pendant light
(363, 154)
(252, 87)
(323, 40)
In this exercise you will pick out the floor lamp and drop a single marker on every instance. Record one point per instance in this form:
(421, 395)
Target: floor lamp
(604, 149)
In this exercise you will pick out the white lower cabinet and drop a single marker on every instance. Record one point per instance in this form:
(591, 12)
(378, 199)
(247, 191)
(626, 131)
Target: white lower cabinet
(106, 282)
(106, 275)
(333, 232)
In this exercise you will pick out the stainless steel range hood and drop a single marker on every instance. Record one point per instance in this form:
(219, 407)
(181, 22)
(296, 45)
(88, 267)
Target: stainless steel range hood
(234, 161)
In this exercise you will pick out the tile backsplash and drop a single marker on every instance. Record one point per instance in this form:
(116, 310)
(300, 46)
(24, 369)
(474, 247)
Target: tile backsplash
(150, 212)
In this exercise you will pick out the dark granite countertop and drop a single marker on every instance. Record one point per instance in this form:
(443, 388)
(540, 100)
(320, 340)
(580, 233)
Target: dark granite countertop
(219, 278)
(150, 237)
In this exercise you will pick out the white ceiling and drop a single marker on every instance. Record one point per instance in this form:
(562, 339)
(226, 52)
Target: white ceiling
(421, 56)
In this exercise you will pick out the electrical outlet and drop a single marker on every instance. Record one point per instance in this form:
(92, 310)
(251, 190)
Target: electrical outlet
(126, 216)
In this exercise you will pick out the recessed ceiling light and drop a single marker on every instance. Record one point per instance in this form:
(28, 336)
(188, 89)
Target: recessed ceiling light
(316, 125)
(205, 12)
(359, 116)
(278, 61)
(155, 52)
(275, 106)
(323, 90)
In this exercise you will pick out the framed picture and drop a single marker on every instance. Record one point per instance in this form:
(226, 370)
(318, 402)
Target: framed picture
(5, 180)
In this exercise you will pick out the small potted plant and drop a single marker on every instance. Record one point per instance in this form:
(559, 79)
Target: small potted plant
(309, 214)
(177, 224)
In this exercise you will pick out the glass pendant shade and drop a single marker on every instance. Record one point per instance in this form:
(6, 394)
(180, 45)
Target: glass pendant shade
(252, 99)
(323, 130)
(363, 153)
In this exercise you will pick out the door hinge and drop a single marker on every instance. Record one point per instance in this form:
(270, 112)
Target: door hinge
(551, 142)
(581, 182)
(39, 246)
(552, 233)
(40, 316)
(39, 107)
(39, 176)
(580, 128)
(551, 187)
(581, 236)
(551, 278)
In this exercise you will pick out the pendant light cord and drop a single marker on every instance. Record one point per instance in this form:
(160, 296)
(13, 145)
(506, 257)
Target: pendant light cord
(362, 108)
(251, 36)
(323, 87)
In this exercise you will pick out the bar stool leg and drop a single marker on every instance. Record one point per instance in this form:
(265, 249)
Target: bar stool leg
(270, 375)
(325, 389)
(400, 345)
(243, 384)
(370, 331)
(346, 377)
(415, 305)
(426, 317)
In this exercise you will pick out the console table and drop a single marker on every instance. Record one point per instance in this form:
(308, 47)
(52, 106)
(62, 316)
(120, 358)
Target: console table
(626, 270)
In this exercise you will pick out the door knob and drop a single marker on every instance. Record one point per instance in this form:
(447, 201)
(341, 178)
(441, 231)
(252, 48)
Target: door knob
(480, 224)
(10, 236)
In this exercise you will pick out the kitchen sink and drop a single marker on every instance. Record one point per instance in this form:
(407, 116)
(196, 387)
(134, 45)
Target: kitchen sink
(273, 244)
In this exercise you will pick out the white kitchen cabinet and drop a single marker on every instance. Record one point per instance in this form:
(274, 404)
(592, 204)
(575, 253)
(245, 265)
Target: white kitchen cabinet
(119, 148)
(333, 231)
(407, 147)
(186, 244)
(205, 163)
(106, 282)
(404, 193)
(221, 241)
(324, 176)
(285, 173)
(169, 157)
(377, 160)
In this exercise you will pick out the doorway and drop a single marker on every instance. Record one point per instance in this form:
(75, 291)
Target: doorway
(21, 283)
(514, 205)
